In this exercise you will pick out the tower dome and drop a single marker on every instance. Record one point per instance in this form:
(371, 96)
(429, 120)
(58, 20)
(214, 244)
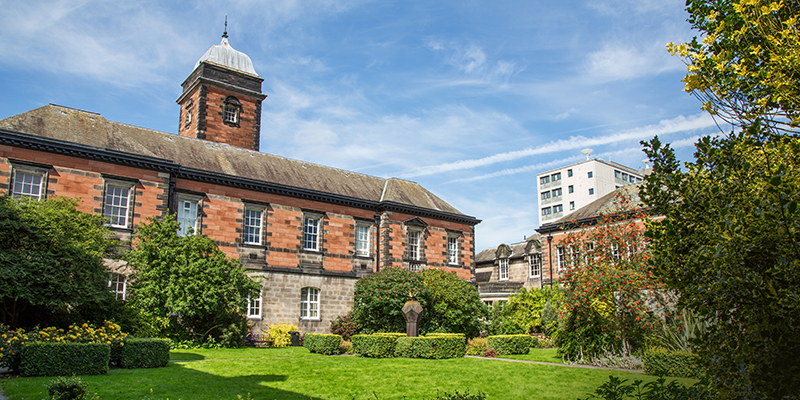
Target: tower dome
(224, 55)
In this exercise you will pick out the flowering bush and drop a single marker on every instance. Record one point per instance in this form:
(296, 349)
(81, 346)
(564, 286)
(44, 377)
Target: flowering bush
(12, 342)
(280, 334)
(344, 326)
(611, 298)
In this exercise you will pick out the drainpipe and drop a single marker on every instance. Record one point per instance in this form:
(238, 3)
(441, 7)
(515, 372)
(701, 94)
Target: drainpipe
(377, 217)
(550, 256)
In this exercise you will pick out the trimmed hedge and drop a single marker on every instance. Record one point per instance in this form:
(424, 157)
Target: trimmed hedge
(323, 343)
(54, 359)
(672, 363)
(431, 346)
(144, 353)
(377, 345)
(510, 344)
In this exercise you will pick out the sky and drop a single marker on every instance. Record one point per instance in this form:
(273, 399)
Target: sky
(471, 99)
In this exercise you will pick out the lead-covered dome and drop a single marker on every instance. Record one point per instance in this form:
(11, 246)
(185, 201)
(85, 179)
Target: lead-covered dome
(225, 55)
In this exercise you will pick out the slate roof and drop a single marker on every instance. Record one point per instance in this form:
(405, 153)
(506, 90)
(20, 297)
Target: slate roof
(517, 250)
(92, 130)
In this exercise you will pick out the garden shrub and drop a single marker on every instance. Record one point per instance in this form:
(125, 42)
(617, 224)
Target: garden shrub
(69, 388)
(322, 343)
(476, 346)
(280, 334)
(344, 326)
(144, 353)
(378, 345)
(12, 342)
(346, 347)
(431, 347)
(53, 359)
(617, 389)
(511, 344)
(679, 364)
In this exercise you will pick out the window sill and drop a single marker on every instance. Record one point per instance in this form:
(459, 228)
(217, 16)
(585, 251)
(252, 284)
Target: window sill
(310, 319)
(258, 317)
(363, 256)
(253, 245)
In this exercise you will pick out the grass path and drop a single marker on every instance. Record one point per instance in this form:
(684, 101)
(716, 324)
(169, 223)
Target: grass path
(296, 374)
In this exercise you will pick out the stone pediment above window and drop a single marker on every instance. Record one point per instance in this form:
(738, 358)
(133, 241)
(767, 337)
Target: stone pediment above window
(503, 251)
(533, 247)
(416, 221)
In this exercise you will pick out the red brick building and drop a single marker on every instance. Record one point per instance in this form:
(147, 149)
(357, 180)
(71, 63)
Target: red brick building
(310, 230)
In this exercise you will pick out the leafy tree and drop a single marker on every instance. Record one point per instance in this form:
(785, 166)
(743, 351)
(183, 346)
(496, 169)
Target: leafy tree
(729, 240)
(51, 262)
(611, 299)
(450, 303)
(456, 306)
(523, 312)
(379, 299)
(188, 283)
(745, 67)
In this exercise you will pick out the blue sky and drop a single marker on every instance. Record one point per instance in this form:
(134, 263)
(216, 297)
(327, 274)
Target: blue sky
(469, 98)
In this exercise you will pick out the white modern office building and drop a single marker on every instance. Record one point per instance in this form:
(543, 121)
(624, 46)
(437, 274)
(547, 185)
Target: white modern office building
(563, 190)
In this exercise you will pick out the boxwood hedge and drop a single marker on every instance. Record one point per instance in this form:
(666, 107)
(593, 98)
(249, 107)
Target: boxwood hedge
(53, 359)
(377, 345)
(322, 343)
(432, 346)
(144, 353)
(510, 344)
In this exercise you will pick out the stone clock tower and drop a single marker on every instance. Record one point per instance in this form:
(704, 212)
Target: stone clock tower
(221, 100)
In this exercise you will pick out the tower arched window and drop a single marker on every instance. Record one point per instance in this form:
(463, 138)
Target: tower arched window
(231, 109)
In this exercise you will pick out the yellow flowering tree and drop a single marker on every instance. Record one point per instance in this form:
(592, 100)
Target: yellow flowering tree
(744, 67)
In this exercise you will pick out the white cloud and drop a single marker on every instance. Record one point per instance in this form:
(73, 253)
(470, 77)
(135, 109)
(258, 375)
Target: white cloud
(677, 124)
(626, 61)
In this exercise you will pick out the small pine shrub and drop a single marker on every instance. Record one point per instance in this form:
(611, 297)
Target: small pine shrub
(72, 388)
(280, 334)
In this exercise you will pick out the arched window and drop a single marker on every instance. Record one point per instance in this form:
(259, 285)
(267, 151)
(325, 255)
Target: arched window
(231, 110)
(309, 303)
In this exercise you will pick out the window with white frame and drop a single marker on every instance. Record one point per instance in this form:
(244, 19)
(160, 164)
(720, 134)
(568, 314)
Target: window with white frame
(503, 266)
(591, 191)
(254, 307)
(571, 205)
(544, 179)
(558, 208)
(547, 211)
(362, 240)
(545, 195)
(28, 182)
(414, 252)
(253, 225)
(571, 188)
(187, 214)
(535, 265)
(569, 173)
(615, 251)
(117, 202)
(309, 303)
(562, 258)
(231, 109)
(556, 177)
(311, 225)
(590, 174)
(117, 285)
(556, 192)
(452, 250)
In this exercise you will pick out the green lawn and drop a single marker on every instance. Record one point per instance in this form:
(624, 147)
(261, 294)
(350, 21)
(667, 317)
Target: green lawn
(293, 373)
(543, 355)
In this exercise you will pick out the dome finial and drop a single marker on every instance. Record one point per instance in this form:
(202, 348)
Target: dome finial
(225, 32)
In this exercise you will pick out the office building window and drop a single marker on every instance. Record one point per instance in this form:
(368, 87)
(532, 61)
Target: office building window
(569, 173)
(571, 205)
(617, 174)
(571, 189)
(544, 179)
(590, 174)
(557, 192)
(591, 191)
(545, 195)
(556, 177)
(547, 211)
(557, 209)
